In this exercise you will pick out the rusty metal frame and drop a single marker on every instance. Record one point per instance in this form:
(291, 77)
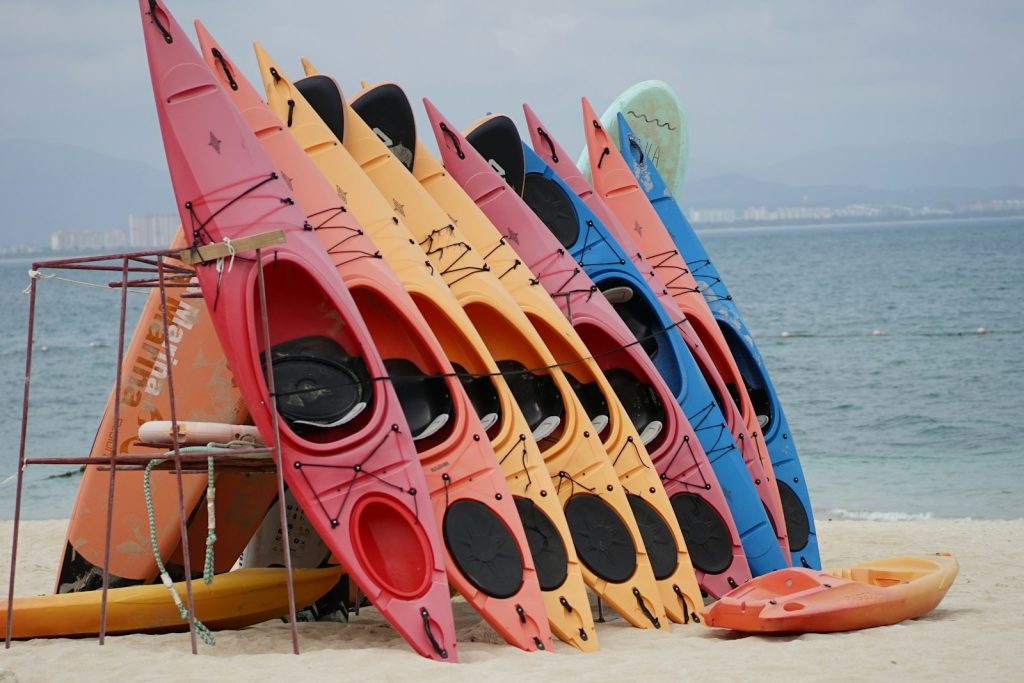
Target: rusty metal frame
(154, 264)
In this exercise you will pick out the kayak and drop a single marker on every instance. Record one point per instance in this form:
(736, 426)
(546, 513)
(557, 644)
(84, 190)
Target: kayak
(801, 600)
(233, 601)
(614, 183)
(694, 394)
(653, 110)
(199, 365)
(698, 502)
(487, 552)
(345, 448)
(789, 475)
(500, 319)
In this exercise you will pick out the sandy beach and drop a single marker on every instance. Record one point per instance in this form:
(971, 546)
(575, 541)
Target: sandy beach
(973, 633)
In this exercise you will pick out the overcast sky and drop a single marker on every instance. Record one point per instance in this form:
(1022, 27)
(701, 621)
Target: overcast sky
(761, 81)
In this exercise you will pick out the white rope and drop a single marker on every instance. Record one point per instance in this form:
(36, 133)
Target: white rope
(38, 275)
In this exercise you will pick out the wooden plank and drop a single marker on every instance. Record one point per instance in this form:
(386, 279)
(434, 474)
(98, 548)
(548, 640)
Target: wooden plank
(217, 250)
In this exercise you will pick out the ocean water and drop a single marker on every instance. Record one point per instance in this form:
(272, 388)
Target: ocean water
(899, 407)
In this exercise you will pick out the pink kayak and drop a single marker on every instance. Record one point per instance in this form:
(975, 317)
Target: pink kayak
(345, 447)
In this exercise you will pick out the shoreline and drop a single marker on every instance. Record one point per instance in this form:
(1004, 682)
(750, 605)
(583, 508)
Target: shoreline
(965, 636)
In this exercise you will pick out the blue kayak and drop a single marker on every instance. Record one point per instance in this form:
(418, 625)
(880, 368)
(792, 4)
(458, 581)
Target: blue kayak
(610, 268)
(789, 476)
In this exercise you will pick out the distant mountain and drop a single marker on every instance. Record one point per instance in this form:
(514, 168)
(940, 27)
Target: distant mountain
(46, 187)
(901, 167)
(734, 191)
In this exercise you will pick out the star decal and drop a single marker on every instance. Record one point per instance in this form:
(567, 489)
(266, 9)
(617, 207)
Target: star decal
(214, 142)
(287, 179)
(342, 195)
(638, 228)
(513, 235)
(399, 208)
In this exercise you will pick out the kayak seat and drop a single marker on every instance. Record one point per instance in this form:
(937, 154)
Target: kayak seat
(318, 384)
(550, 556)
(641, 402)
(593, 401)
(636, 312)
(386, 109)
(425, 399)
(482, 394)
(537, 395)
(325, 97)
(497, 139)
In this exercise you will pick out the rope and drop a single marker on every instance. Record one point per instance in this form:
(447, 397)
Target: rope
(201, 630)
(38, 275)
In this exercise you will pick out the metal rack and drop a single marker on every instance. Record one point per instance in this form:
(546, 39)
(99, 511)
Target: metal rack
(160, 269)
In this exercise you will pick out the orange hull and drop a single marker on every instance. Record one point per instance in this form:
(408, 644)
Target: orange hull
(800, 600)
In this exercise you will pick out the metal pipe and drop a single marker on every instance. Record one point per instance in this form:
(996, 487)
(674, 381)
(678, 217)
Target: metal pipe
(113, 455)
(182, 517)
(21, 461)
(285, 542)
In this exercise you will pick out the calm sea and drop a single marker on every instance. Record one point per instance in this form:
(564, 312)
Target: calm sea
(900, 408)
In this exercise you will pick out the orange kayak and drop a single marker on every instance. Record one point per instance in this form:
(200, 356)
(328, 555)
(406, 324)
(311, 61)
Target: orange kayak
(496, 312)
(799, 600)
(616, 184)
(204, 391)
(486, 549)
(234, 600)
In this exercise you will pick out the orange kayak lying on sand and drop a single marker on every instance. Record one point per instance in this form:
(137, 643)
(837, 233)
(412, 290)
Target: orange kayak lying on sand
(234, 600)
(799, 600)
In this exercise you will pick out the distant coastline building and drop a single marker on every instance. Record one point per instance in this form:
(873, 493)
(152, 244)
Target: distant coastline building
(154, 230)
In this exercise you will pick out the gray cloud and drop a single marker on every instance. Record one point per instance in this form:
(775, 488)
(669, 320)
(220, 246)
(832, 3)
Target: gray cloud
(761, 81)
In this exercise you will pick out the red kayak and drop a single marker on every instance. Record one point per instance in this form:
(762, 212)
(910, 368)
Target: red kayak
(486, 550)
(346, 450)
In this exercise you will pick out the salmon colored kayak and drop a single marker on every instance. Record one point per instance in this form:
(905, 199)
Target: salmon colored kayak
(487, 551)
(678, 354)
(345, 448)
(485, 299)
(800, 600)
(615, 183)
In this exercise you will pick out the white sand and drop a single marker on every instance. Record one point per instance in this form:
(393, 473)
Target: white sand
(976, 633)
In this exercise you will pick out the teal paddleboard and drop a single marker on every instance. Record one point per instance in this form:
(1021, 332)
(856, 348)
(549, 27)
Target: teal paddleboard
(655, 115)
